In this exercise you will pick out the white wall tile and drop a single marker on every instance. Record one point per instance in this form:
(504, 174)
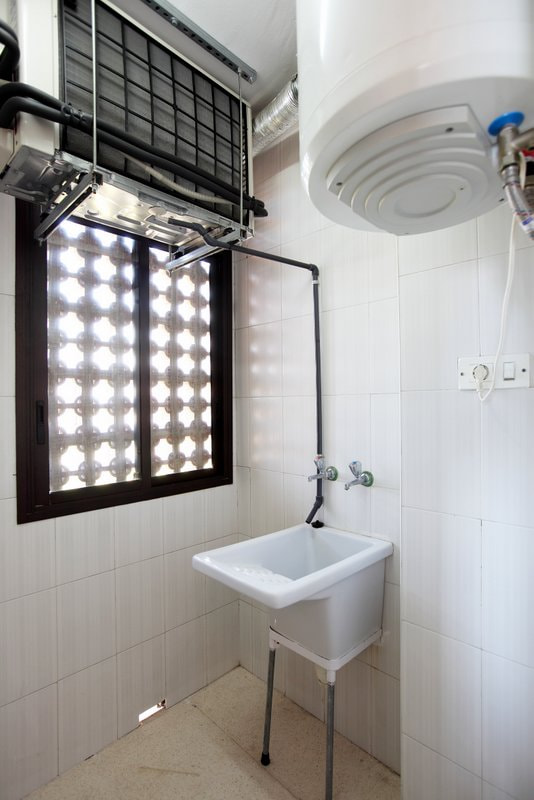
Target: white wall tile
(299, 497)
(7, 217)
(384, 375)
(299, 435)
(507, 463)
(439, 323)
(267, 163)
(240, 286)
(242, 379)
(264, 288)
(266, 501)
(242, 431)
(140, 591)
(27, 554)
(185, 660)
(494, 232)
(343, 262)
(382, 256)
(385, 440)
(217, 594)
(519, 333)
(27, 644)
(265, 360)
(221, 512)
(353, 703)
(222, 637)
(385, 654)
(7, 344)
(507, 591)
(347, 510)
(345, 340)
(347, 432)
(266, 431)
(86, 622)
(385, 719)
(508, 734)
(386, 524)
(87, 712)
(267, 230)
(441, 705)
(141, 681)
(441, 451)
(138, 532)
(441, 559)
(438, 248)
(28, 743)
(298, 215)
(7, 437)
(185, 593)
(298, 356)
(297, 283)
(242, 480)
(184, 521)
(84, 545)
(426, 775)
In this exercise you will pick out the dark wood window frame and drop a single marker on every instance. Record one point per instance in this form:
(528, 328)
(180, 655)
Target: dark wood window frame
(34, 500)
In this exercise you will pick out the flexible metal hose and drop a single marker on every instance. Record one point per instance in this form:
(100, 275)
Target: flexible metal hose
(516, 198)
(277, 117)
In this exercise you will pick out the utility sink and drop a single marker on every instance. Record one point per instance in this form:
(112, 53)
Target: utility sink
(324, 586)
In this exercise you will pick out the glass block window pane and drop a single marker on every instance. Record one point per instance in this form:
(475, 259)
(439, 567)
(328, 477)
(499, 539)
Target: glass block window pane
(92, 358)
(180, 366)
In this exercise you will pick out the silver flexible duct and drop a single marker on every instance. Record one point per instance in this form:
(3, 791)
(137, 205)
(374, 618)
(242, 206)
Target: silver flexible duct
(276, 118)
(516, 198)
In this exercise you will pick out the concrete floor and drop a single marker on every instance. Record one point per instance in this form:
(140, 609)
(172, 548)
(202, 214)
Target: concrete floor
(207, 748)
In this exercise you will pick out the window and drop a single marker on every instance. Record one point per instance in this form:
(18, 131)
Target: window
(123, 370)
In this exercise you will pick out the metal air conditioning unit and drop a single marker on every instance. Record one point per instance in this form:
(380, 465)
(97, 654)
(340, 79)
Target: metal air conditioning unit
(173, 144)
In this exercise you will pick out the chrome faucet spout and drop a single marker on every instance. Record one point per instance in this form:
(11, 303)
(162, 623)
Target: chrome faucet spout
(323, 472)
(361, 478)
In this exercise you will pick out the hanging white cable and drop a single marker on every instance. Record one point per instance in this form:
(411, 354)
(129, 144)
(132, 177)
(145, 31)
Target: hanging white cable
(206, 198)
(504, 315)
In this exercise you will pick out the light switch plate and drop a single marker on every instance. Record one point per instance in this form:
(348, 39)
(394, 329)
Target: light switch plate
(520, 366)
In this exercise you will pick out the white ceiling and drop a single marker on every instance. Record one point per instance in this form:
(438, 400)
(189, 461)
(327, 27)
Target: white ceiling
(260, 32)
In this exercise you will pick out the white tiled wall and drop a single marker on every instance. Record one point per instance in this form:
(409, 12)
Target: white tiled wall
(468, 521)
(276, 423)
(101, 615)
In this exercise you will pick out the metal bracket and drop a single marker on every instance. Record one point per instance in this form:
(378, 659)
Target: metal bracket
(65, 208)
(186, 26)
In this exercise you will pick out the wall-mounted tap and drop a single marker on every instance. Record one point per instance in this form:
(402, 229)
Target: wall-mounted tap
(364, 478)
(323, 472)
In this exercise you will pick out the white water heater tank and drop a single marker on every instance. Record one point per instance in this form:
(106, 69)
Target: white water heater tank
(395, 101)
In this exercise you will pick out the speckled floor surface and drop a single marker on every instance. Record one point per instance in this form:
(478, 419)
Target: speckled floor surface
(207, 748)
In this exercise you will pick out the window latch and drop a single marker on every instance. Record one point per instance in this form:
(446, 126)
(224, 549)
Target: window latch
(40, 429)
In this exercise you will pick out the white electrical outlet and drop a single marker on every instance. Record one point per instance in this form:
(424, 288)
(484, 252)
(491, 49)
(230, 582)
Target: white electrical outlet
(513, 371)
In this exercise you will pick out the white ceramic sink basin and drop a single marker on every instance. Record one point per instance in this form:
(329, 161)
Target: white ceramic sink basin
(291, 565)
(324, 586)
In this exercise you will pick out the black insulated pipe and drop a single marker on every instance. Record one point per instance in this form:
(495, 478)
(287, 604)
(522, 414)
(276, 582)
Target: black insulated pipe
(314, 269)
(9, 60)
(17, 97)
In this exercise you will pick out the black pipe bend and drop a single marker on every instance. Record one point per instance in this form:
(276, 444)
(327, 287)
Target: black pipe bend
(33, 101)
(9, 60)
(8, 29)
(13, 95)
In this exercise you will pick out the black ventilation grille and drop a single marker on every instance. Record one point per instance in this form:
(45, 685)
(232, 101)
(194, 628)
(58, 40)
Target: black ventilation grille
(147, 90)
